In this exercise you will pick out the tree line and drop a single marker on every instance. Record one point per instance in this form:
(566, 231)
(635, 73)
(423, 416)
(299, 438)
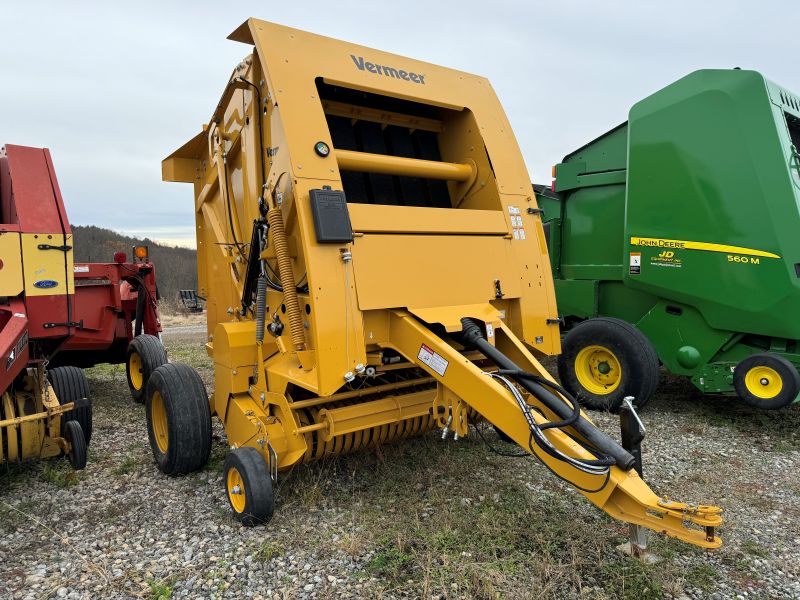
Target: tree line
(176, 267)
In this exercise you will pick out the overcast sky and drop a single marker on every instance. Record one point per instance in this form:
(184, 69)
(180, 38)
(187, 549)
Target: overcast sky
(112, 88)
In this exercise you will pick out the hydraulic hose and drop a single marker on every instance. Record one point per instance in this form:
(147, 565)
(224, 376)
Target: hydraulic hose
(473, 335)
(286, 273)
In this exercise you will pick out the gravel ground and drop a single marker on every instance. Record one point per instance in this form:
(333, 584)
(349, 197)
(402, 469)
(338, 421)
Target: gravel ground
(420, 519)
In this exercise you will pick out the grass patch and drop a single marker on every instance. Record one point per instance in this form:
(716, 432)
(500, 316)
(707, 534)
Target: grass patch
(490, 528)
(127, 465)
(105, 371)
(393, 562)
(632, 580)
(702, 576)
(191, 354)
(267, 550)
(160, 590)
(753, 548)
(216, 459)
(59, 474)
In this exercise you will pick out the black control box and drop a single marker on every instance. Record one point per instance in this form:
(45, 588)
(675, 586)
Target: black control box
(331, 218)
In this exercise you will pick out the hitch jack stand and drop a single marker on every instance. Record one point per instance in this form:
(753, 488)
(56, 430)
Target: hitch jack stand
(633, 432)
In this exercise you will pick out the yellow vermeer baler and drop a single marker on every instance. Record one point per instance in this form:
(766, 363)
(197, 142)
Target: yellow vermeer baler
(374, 266)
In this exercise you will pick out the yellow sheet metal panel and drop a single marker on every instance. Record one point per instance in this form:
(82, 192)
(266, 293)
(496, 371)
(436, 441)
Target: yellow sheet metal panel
(47, 271)
(295, 58)
(180, 169)
(11, 281)
(369, 218)
(397, 271)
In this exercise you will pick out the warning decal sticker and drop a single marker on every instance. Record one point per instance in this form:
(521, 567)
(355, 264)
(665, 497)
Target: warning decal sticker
(433, 360)
(636, 263)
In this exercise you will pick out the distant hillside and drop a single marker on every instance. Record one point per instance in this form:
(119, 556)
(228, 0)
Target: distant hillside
(176, 268)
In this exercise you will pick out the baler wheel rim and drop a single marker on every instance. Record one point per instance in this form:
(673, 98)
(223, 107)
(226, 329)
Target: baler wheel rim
(763, 382)
(589, 370)
(144, 355)
(236, 490)
(135, 370)
(158, 413)
(766, 381)
(255, 502)
(639, 365)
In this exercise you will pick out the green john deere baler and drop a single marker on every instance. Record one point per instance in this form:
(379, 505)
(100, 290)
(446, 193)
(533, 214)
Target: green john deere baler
(676, 237)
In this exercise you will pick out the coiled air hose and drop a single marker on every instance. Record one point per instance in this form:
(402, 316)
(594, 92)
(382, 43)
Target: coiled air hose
(286, 274)
(472, 335)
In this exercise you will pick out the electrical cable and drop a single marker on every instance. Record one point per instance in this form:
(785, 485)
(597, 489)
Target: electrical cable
(576, 409)
(504, 453)
(598, 441)
(228, 205)
(590, 467)
(140, 280)
(260, 124)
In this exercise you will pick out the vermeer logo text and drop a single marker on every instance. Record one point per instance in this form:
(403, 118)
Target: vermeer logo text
(364, 65)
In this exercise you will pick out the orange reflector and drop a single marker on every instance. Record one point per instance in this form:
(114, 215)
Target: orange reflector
(140, 252)
(554, 172)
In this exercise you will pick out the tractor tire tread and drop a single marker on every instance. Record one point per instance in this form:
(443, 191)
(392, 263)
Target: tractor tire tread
(259, 493)
(70, 384)
(79, 453)
(152, 354)
(188, 418)
(639, 352)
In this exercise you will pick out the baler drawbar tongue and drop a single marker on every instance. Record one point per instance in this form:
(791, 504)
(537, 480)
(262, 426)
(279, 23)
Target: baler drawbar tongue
(544, 424)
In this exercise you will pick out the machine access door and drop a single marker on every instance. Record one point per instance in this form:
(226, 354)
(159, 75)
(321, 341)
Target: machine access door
(33, 203)
(417, 257)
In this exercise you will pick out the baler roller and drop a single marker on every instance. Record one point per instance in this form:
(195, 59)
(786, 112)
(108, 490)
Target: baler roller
(319, 447)
(365, 162)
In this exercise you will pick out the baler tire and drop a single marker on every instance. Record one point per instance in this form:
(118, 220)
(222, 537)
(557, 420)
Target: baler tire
(618, 342)
(777, 375)
(248, 486)
(144, 355)
(178, 419)
(78, 453)
(70, 385)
